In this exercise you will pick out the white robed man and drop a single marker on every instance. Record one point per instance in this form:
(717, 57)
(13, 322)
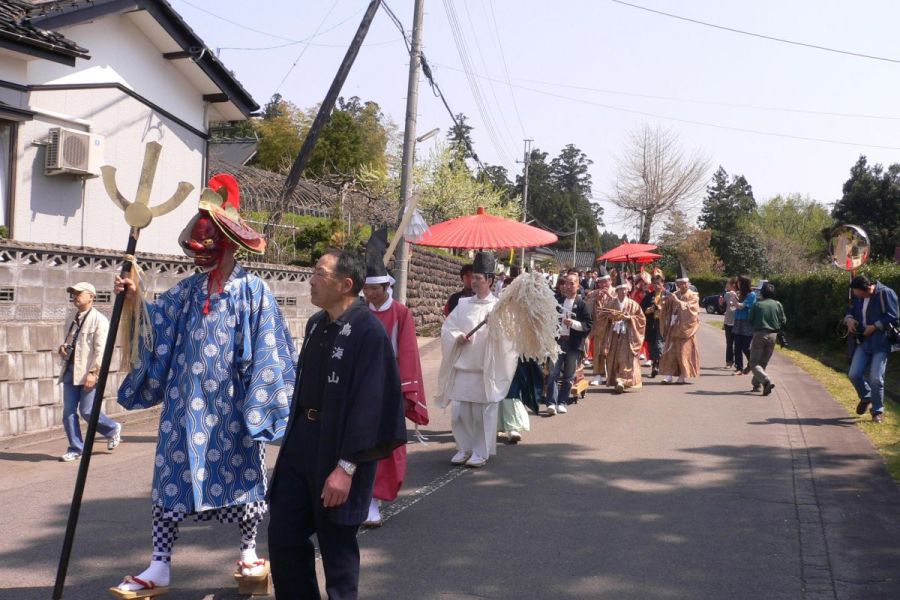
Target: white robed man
(679, 323)
(625, 328)
(476, 369)
(597, 298)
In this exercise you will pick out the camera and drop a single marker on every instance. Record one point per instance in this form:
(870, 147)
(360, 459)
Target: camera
(781, 338)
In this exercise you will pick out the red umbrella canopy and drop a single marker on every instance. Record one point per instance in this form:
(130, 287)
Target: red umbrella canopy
(640, 258)
(625, 252)
(483, 231)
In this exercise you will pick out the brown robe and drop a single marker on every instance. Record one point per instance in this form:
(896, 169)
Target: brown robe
(623, 350)
(679, 322)
(596, 300)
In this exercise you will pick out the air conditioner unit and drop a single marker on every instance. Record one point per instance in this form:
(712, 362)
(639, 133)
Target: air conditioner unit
(73, 152)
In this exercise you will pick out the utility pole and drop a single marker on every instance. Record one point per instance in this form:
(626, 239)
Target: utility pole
(401, 265)
(527, 161)
(575, 246)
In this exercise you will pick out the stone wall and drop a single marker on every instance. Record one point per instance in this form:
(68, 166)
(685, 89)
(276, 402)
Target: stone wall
(34, 307)
(432, 278)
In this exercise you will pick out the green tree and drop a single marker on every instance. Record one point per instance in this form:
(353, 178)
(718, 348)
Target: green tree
(460, 138)
(572, 179)
(446, 190)
(871, 199)
(280, 135)
(791, 228)
(728, 212)
(355, 136)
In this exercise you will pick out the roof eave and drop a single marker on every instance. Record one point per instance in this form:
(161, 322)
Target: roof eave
(38, 50)
(174, 25)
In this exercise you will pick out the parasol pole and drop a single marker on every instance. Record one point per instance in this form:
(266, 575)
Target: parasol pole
(138, 215)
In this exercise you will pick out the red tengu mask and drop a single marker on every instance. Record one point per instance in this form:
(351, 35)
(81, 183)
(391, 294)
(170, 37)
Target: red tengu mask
(203, 241)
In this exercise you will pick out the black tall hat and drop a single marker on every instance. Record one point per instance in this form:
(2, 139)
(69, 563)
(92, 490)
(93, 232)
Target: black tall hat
(604, 274)
(620, 280)
(682, 273)
(377, 245)
(484, 263)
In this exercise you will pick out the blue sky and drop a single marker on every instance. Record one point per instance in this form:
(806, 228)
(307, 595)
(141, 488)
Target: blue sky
(588, 72)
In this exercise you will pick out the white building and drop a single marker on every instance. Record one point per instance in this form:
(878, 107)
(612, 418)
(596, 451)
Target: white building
(125, 72)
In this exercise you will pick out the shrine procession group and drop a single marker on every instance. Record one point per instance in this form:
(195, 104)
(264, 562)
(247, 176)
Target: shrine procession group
(489, 374)
(216, 354)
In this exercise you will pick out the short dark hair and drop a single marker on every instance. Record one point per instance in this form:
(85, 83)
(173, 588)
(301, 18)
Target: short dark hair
(469, 268)
(514, 271)
(861, 282)
(350, 264)
(767, 290)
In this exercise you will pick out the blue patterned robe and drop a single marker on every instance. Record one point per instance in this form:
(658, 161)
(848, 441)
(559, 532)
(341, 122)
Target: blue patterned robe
(225, 381)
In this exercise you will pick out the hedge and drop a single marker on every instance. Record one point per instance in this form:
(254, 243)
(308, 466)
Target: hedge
(814, 301)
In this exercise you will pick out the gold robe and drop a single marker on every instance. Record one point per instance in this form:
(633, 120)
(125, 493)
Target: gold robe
(679, 322)
(623, 341)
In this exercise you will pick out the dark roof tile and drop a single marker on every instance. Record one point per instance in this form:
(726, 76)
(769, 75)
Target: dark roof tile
(14, 26)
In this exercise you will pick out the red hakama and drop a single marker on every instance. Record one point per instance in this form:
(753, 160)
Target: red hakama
(398, 322)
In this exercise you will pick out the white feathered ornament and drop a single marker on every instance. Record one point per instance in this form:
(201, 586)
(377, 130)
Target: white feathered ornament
(527, 315)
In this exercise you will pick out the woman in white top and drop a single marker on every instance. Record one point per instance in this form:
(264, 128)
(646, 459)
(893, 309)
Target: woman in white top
(730, 301)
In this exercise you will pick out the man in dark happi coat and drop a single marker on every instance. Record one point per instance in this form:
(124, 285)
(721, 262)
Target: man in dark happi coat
(347, 413)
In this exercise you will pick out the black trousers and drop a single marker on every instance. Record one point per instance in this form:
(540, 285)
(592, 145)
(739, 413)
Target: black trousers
(295, 513)
(729, 344)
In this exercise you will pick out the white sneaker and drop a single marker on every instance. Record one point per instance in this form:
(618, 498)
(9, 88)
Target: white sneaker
(647, 363)
(551, 410)
(596, 382)
(514, 437)
(476, 462)
(667, 379)
(643, 357)
(116, 439)
(460, 458)
(561, 409)
(70, 456)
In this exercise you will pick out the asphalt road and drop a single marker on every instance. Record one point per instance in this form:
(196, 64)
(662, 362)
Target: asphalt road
(671, 492)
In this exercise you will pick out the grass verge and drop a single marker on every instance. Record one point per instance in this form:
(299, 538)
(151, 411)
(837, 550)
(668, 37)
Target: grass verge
(828, 365)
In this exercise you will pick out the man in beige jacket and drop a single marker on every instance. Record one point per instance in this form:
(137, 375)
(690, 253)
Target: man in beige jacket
(81, 353)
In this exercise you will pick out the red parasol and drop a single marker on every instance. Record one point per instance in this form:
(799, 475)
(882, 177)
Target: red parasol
(483, 231)
(626, 252)
(640, 258)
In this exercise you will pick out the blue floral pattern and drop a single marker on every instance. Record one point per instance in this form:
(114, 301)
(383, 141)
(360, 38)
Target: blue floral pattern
(225, 380)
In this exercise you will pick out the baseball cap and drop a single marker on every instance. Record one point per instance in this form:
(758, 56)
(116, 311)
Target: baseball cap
(82, 286)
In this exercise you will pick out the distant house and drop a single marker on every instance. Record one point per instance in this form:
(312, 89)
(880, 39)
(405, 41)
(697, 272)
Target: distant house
(89, 82)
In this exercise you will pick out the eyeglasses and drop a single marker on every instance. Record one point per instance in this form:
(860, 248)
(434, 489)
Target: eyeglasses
(323, 274)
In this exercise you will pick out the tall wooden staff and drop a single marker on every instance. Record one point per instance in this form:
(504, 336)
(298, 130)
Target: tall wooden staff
(138, 214)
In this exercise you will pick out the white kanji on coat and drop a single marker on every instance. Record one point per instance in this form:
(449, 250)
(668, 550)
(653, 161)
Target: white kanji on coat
(337, 353)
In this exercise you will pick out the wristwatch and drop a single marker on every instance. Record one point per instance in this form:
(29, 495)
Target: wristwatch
(348, 467)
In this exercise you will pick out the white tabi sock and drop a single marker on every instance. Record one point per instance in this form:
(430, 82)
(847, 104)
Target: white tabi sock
(249, 557)
(158, 572)
(374, 511)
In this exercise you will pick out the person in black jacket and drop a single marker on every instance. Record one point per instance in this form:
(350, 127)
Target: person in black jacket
(347, 413)
(576, 324)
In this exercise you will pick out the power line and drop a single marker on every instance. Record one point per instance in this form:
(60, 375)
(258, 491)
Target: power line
(505, 67)
(758, 35)
(429, 76)
(462, 51)
(707, 124)
(480, 53)
(684, 100)
(306, 47)
(317, 44)
(291, 41)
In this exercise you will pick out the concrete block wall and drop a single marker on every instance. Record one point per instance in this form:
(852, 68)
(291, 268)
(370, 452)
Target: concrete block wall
(34, 307)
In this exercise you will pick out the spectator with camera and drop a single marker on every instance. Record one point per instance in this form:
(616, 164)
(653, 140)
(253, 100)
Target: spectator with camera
(767, 319)
(81, 353)
(871, 318)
